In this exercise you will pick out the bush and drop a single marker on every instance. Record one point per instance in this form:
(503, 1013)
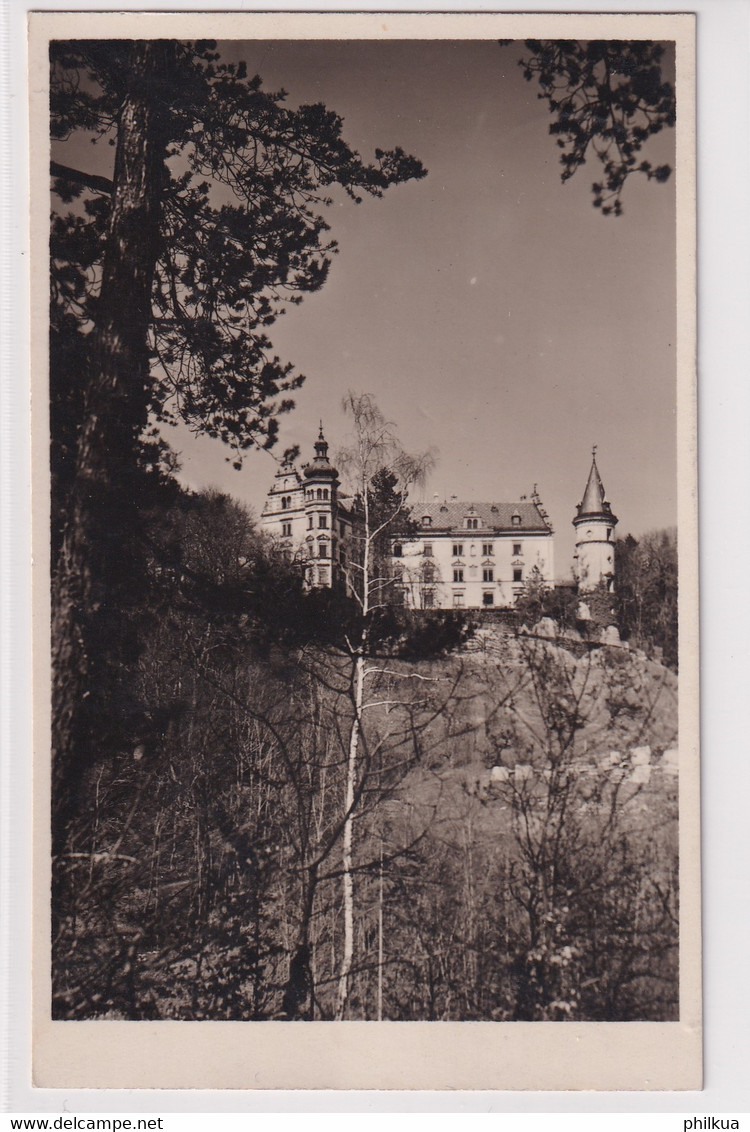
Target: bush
(413, 634)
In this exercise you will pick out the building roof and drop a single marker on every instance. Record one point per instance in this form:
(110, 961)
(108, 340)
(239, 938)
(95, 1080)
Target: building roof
(320, 467)
(594, 500)
(449, 516)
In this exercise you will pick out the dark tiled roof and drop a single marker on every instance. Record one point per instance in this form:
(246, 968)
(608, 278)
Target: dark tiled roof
(450, 515)
(594, 501)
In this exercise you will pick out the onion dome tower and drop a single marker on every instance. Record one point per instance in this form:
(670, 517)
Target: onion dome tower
(321, 499)
(594, 525)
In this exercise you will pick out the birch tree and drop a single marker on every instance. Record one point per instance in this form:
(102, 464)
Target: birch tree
(374, 448)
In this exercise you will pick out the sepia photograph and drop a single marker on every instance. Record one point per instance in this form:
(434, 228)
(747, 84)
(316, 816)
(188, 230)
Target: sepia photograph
(369, 600)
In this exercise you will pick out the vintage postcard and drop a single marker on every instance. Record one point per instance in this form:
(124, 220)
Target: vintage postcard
(366, 601)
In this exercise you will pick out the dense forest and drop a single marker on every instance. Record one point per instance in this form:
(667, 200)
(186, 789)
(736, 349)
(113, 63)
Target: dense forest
(276, 803)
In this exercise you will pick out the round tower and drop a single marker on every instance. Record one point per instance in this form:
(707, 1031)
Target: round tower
(595, 527)
(321, 488)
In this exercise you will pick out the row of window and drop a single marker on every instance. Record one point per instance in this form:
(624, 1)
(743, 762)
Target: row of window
(286, 527)
(312, 493)
(472, 524)
(428, 573)
(488, 574)
(488, 598)
(488, 549)
(459, 599)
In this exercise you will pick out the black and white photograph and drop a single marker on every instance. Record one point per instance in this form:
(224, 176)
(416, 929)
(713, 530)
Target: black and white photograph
(369, 598)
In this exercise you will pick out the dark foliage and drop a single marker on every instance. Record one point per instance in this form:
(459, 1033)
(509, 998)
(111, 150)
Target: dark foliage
(539, 600)
(416, 634)
(607, 98)
(164, 282)
(647, 592)
(245, 184)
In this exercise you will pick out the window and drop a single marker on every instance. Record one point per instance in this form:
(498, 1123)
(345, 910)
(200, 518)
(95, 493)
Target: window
(325, 492)
(426, 520)
(323, 575)
(427, 549)
(285, 502)
(458, 549)
(517, 574)
(488, 574)
(286, 530)
(310, 522)
(458, 575)
(428, 572)
(397, 550)
(515, 519)
(609, 533)
(319, 493)
(488, 599)
(428, 599)
(458, 601)
(487, 549)
(322, 521)
(472, 524)
(322, 549)
(342, 529)
(516, 548)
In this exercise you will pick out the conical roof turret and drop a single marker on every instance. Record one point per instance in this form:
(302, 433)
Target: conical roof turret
(594, 502)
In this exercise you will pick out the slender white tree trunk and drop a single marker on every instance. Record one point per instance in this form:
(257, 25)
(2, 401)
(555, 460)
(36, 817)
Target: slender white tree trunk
(380, 938)
(351, 778)
(351, 772)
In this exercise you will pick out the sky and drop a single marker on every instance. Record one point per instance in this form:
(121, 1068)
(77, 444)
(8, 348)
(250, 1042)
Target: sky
(492, 312)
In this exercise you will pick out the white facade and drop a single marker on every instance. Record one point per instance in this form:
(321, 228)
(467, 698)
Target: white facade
(458, 555)
(473, 555)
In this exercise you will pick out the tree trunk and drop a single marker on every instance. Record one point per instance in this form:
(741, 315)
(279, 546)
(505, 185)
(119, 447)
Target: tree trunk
(380, 936)
(351, 779)
(360, 672)
(97, 549)
(299, 993)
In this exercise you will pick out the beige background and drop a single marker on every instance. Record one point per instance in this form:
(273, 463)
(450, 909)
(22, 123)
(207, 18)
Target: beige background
(375, 1055)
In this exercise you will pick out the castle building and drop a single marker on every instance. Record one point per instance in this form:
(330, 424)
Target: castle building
(473, 555)
(594, 558)
(456, 555)
(310, 520)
